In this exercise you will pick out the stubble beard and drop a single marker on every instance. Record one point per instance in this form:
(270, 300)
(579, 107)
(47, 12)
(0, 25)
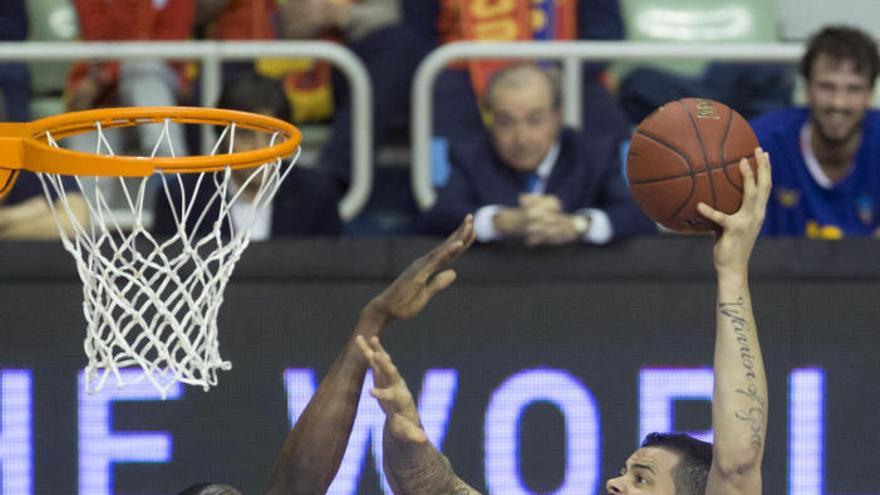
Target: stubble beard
(832, 141)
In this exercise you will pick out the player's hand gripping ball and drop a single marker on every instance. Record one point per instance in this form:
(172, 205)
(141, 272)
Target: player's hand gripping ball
(686, 152)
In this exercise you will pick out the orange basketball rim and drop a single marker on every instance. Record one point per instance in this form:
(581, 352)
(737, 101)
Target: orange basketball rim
(30, 146)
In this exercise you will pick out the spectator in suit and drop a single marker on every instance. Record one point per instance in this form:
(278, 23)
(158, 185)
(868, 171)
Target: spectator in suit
(305, 203)
(531, 179)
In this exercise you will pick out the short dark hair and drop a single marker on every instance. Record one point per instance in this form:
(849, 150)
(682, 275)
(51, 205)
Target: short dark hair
(210, 489)
(251, 92)
(843, 43)
(512, 74)
(692, 472)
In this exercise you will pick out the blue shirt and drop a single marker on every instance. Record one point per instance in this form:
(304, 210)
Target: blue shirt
(801, 207)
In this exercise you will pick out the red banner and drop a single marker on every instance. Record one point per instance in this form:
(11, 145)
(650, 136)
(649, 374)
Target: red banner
(505, 20)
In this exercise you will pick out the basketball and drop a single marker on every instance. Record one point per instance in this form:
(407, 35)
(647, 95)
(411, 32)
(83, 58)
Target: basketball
(686, 152)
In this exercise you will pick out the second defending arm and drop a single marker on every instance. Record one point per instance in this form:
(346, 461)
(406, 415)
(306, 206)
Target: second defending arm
(314, 448)
(412, 464)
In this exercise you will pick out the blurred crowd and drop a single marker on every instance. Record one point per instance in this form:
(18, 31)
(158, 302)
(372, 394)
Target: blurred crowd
(500, 148)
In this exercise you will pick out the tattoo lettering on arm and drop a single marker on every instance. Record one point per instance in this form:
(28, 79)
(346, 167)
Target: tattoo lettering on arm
(419, 468)
(754, 413)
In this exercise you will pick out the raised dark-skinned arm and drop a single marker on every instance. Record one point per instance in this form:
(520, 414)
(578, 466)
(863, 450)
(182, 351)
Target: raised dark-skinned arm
(315, 446)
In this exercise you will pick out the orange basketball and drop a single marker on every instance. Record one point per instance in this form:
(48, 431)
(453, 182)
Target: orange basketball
(686, 152)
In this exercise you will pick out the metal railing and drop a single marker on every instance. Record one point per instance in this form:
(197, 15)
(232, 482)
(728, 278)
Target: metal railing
(571, 54)
(212, 54)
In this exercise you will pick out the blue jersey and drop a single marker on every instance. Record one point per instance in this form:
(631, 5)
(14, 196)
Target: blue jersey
(798, 205)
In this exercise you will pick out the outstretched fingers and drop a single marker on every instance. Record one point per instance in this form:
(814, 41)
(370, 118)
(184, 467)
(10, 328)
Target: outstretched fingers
(765, 176)
(756, 190)
(383, 395)
(370, 356)
(383, 367)
(441, 281)
(745, 169)
(365, 349)
(391, 392)
(465, 229)
(454, 246)
(465, 232)
(381, 378)
(713, 214)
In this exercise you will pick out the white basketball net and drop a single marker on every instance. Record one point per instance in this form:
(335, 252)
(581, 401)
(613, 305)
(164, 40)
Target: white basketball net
(153, 302)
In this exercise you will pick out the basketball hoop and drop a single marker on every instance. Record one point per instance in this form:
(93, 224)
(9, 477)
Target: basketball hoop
(151, 302)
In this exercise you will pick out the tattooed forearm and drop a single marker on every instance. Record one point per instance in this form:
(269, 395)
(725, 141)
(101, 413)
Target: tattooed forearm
(734, 314)
(419, 468)
(754, 414)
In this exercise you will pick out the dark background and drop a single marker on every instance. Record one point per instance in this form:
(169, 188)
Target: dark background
(602, 314)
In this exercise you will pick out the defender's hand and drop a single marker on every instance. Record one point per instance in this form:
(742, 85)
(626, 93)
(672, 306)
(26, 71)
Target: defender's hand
(740, 230)
(410, 291)
(392, 393)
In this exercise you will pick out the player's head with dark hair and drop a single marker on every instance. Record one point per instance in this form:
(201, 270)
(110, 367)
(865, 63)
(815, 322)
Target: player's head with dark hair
(251, 92)
(843, 44)
(840, 67)
(666, 464)
(522, 102)
(692, 470)
(210, 489)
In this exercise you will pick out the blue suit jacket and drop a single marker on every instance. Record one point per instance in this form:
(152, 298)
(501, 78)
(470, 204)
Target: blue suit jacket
(305, 204)
(586, 175)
